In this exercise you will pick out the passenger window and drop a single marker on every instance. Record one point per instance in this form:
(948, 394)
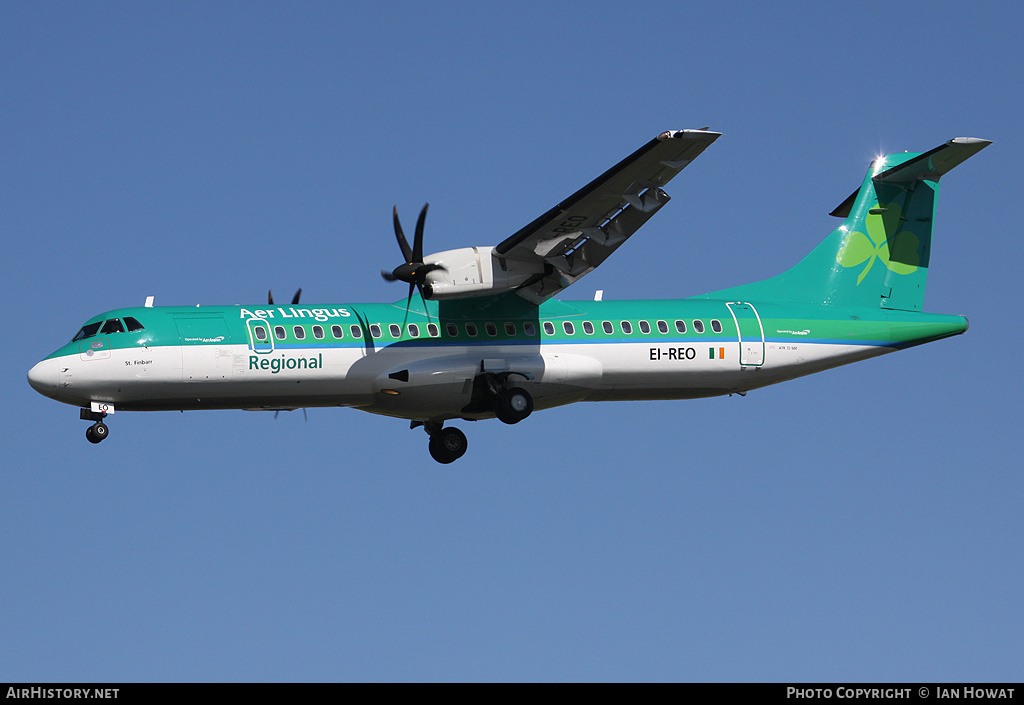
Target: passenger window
(318, 332)
(530, 329)
(510, 328)
(716, 325)
(627, 327)
(414, 330)
(338, 332)
(453, 330)
(698, 326)
(375, 330)
(395, 330)
(588, 327)
(279, 332)
(87, 331)
(491, 329)
(112, 326)
(132, 324)
(299, 331)
(568, 327)
(432, 330)
(471, 330)
(608, 327)
(356, 331)
(645, 327)
(549, 328)
(662, 327)
(260, 332)
(681, 326)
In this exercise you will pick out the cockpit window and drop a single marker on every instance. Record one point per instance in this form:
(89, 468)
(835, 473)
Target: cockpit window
(132, 324)
(113, 325)
(87, 331)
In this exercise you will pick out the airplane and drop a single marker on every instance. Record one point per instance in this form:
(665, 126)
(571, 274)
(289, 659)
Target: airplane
(485, 337)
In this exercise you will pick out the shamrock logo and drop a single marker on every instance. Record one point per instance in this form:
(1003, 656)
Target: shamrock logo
(859, 248)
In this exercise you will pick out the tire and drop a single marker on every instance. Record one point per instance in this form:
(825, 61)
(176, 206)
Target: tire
(97, 432)
(513, 405)
(448, 445)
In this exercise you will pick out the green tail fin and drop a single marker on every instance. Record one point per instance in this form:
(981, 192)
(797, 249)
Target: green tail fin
(879, 256)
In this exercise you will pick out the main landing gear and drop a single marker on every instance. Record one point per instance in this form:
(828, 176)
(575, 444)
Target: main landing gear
(98, 431)
(493, 392)
(446, 444)
(510, 405)
(513, 405)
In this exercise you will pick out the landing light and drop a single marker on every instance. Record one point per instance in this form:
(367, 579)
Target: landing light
(392, 392)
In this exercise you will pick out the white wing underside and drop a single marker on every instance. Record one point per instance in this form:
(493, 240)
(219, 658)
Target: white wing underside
(578, 234)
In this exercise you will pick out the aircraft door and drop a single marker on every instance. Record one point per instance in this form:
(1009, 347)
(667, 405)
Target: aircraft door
(750, 332)
(260, 339)
(205, 347)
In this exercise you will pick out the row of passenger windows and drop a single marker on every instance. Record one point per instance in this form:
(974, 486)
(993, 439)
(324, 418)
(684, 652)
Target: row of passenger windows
(338, 332)
(511, 329)
(109, 326)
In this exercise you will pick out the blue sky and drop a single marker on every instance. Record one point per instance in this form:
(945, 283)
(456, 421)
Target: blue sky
(860, 524)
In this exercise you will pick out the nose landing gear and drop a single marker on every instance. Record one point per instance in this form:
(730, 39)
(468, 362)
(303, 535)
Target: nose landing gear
(98, 431)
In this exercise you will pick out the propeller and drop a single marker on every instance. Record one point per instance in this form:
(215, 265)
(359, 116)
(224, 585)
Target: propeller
(295, 299)
(414, 271)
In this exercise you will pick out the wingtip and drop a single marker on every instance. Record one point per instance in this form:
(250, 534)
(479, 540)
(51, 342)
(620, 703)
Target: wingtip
(688, 134)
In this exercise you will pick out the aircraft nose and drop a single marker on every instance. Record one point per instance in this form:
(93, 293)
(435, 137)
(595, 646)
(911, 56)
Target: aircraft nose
(44, 377)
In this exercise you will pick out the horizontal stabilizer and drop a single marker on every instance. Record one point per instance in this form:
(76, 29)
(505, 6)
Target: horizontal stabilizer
(933, 164)
(930, 166)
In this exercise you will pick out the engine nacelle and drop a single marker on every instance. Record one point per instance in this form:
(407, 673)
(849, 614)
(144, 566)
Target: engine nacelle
(473, 271)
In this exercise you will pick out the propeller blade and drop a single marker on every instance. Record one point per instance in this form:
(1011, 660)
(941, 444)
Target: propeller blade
(295, 299)
(424, 270)
(402, 242)
(388, 276)
(417, 242)
(270, 297)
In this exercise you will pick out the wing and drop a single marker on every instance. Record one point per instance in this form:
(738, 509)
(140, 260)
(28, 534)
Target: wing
(579, 233)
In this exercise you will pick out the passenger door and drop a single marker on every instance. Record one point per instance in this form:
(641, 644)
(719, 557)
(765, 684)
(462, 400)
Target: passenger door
(750, 333)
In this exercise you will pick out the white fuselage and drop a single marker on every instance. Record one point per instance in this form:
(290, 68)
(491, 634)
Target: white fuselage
(422, 381)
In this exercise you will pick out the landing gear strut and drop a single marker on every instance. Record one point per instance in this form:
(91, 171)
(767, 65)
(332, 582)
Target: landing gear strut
(98, 431)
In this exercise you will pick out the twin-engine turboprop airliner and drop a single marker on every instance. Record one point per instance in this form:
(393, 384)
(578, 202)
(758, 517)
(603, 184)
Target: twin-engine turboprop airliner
(484, 338)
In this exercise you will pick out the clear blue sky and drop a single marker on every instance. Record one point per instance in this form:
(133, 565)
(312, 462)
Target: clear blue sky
(860, 524)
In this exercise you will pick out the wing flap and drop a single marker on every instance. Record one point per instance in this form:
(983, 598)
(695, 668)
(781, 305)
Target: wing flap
(577, 235)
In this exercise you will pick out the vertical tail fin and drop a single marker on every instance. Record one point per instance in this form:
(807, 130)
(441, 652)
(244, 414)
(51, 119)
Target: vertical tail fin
(879, 256)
